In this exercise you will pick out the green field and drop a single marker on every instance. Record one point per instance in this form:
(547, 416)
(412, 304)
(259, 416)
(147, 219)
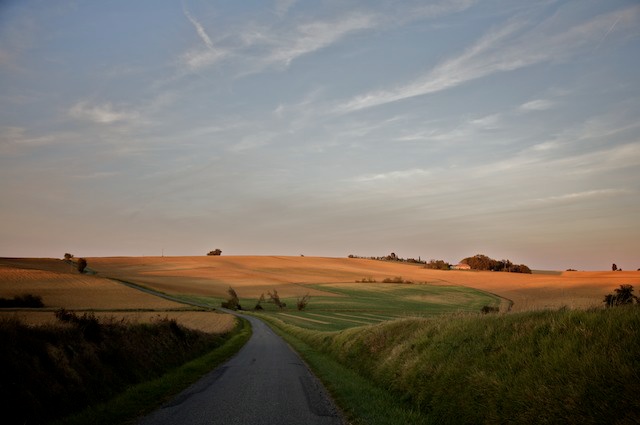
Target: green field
(351, 305)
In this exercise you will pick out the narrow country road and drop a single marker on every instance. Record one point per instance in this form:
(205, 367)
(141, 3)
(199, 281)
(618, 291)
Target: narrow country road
(266, 383)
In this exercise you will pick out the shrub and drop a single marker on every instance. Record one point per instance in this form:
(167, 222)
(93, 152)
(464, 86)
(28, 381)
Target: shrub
(366, 280)
(302, 302)
(26, 301)
(68, 256)
(233, 303)
(437, 265)
(259, 303)
(489, 309)
(215, 252)
(275, 298)
(621, 296)
(82, 264)
(397, 279)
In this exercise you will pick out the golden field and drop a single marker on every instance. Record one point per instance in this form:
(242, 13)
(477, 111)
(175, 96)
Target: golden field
(252, 275)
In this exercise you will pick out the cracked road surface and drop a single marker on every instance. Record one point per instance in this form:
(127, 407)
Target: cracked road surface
(265, 383)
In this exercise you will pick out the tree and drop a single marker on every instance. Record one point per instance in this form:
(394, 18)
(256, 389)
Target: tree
(68, 256)
(215, 252)
(614, 267)
(82, 264)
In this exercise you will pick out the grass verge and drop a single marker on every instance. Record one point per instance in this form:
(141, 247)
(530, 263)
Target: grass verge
(143, 398)
(566, 366)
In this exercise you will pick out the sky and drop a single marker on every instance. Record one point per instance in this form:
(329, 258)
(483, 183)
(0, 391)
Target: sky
(431, 129)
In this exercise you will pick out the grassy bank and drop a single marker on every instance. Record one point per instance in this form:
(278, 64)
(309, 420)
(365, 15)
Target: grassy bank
(538, 367)
(53, 370)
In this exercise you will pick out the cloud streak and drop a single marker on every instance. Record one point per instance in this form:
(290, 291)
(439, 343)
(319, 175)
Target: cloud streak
(510, 47)
(100, 114)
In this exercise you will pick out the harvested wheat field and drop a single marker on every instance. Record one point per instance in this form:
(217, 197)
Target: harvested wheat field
(253, 275)
(206, 321)
(60, 285)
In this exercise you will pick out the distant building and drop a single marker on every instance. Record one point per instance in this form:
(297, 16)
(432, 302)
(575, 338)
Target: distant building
(461, 266)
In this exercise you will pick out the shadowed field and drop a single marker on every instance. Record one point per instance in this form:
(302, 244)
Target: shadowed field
(61, 286)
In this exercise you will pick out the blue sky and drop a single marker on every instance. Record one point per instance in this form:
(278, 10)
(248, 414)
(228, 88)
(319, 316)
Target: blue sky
(438, 129)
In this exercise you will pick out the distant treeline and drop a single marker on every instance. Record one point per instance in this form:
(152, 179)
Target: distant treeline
(477, 262)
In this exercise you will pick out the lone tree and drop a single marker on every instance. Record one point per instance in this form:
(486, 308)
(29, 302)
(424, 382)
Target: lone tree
(233, 303)
(82, 264)
(215, 252)
(275, 298)
(621, 296)
(614, 267)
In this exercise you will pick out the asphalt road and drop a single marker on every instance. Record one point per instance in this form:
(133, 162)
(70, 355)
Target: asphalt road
(265, 383)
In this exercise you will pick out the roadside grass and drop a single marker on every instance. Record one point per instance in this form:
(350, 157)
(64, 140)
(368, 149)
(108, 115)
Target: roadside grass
(566, 366)
(143, 398)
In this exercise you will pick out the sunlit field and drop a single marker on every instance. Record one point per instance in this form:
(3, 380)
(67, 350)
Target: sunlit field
(211, 276)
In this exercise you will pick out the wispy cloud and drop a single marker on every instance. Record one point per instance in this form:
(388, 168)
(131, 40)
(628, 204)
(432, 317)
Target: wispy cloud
(513, 46)
(283, 6)
(101, 114)
(580, 196)
(312, 36)
(537, 105)
(200, 57)
(393, 175)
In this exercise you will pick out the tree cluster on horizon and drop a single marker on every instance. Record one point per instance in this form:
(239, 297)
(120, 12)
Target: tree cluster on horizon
(483, 262)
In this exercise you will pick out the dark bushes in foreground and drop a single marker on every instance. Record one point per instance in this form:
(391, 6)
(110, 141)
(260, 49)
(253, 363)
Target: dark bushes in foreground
(22, 301)
(53, 370)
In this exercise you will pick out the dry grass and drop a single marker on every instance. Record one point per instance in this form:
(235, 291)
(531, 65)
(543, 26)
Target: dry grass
(253, 275)
(60, 285)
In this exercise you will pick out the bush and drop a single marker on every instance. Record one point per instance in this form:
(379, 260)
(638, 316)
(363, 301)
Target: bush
(302, 302)
(68, 256)
(215, 252)
(366, 280)
(233, 303)
(489, 309)
(26, 301)
(258, 306)
(437, 265)
(621, 296)
(275, 298)
(397, 279)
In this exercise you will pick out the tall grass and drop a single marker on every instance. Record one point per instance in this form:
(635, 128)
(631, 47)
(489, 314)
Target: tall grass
(537, 367)
(52, 370)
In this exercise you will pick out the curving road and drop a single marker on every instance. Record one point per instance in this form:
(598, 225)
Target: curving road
(265, 383)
